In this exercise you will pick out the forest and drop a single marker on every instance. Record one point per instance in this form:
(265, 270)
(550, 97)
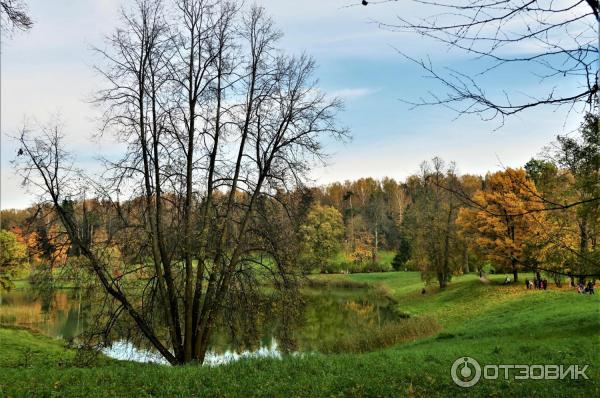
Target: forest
(541, 217)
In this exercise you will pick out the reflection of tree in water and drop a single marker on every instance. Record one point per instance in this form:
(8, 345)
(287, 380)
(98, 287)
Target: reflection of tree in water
(332, 315)
(273, 317)
(55, 312)
(301, 323)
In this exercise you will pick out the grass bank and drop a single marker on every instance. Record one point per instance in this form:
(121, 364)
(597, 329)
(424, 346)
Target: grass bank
(492, 323)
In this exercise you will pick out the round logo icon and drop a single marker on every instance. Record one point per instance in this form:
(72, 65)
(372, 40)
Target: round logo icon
(465, 372)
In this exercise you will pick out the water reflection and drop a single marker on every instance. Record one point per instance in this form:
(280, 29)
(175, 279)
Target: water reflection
(327, 316)
(55, 314)
(126, 351)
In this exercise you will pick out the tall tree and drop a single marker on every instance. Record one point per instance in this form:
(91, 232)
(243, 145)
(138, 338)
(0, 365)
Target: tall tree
(581, 157)
(430, 221)
(216, 121)
(506, 216)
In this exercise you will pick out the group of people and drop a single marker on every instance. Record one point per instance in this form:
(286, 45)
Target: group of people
(542, 284)
(585, 288)
(537, 283)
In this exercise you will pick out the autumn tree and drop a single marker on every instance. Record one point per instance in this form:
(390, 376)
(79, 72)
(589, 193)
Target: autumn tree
(13, 254)
(30, 240)
(322, 236)
(504, 218)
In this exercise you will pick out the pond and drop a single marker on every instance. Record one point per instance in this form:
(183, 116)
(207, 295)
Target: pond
(328, 315)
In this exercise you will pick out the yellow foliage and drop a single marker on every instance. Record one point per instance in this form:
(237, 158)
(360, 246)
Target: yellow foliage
(507, 218)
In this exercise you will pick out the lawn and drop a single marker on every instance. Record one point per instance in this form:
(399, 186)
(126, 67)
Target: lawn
(492, 323)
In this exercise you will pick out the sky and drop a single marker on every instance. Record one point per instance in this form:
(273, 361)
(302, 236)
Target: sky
(48, 71)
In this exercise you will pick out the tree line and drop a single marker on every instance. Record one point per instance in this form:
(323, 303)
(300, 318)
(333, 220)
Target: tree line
(544, 216)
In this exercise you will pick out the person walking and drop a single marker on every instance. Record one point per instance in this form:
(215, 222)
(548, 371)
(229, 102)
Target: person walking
(590, 287)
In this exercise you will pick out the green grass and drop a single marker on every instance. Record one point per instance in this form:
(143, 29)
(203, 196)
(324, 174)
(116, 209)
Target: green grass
(492, 323)
(22, 348)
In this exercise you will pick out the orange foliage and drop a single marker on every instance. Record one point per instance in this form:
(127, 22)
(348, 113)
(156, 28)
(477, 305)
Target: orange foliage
(506, 219)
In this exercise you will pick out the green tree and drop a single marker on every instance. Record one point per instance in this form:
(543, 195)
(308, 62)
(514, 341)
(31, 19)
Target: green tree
(429, 221)
(403, 254)
(322, 236)
(581, 157)
(545, 175)
(12, 254)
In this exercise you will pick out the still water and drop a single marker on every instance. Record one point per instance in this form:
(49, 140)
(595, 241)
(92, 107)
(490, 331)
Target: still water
(328, 314)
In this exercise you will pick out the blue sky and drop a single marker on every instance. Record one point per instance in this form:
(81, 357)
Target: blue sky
(49, 70)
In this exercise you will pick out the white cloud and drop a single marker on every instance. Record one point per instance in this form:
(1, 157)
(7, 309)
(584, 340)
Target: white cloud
(48, 70)
(349, 94)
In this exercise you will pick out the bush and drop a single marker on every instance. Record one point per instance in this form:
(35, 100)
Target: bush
(398, 263)
(377, 267)
(337, 284)
(344, 263)
(361, 267)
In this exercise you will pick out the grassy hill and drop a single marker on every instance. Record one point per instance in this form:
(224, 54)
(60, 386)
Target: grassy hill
(492, 323)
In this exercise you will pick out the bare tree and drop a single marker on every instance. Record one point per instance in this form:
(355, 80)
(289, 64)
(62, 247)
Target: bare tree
(555, 41)
(217, 122)
(13, 15)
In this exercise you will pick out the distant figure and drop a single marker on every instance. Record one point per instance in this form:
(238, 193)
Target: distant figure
(531, 284)
(527, 283)
(507, 280)
(423, 291)
(580, 288)
(590, 288)
(545, 284)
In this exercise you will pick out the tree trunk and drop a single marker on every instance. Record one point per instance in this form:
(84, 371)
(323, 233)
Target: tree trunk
(515, 271)
(583, 244)
(442, 280)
